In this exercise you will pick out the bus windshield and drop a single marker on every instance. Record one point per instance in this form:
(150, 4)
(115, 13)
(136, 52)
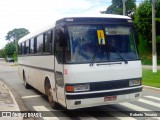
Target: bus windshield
(83, 43)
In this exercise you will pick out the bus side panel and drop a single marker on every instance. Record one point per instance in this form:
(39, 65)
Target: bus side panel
(20, 72)
(37, 69)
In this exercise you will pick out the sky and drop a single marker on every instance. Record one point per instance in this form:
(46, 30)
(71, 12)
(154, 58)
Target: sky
(32, 14)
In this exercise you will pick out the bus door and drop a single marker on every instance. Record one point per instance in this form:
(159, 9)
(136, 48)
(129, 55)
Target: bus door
(58, 50)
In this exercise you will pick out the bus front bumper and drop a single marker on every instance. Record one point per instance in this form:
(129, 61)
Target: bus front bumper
(98, 98)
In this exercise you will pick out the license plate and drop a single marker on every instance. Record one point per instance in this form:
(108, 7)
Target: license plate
(110, 98)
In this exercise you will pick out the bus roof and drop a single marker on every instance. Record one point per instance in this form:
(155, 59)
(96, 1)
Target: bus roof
(95, 16)
(58, 18)
(35, 33)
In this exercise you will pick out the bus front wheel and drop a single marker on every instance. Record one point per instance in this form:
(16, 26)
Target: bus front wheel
(49, 92)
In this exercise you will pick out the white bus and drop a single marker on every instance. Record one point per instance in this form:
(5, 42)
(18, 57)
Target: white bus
(83, 61)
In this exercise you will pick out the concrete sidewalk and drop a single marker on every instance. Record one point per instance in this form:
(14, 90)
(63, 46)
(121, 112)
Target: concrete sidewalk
(7, 104)
(149, 67)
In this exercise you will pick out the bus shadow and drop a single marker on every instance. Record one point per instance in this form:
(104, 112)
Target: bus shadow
(80, 113)
(62, 112)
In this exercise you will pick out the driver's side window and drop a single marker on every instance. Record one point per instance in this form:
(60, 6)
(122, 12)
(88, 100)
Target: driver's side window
(58, 42)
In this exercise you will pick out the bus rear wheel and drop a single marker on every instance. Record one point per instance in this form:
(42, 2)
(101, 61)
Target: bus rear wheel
(26, 85)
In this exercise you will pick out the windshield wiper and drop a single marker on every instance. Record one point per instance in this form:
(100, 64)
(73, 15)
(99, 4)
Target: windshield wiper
(100, 46)
(95, 55)
(117, 52)
(125, 61)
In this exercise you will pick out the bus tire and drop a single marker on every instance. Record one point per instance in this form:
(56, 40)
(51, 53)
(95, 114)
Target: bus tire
(26, 85)
(49, 93)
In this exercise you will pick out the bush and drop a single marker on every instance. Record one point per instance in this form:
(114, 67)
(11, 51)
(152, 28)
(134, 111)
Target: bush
(2, 55)
(15, 55)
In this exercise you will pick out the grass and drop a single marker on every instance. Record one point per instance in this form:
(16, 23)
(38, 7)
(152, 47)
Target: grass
(151, 79)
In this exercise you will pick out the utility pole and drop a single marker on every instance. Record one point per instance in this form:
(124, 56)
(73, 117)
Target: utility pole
(124, 7)
(154, 53)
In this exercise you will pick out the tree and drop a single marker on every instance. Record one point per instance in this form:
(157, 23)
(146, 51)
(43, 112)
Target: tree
(143, 21)
(16, 34)
(9, 49)
(2, 55)
(117, 7)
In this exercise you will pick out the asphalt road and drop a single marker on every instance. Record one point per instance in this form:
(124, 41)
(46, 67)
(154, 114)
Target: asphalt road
(32, 100)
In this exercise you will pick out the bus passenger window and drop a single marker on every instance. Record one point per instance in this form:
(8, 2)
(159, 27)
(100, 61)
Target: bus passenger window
(32, 46)
(27, 47)
(35, 45)
(23, 48)
(20, 49)
(48, 41)
(40, 44)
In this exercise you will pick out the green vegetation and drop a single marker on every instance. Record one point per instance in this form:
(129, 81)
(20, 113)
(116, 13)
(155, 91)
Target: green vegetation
(143, 21)
(147, 59)
(146, 54)
(16, 34)
(117, 7)
(11, 49)
(151, 79)
(2, 54)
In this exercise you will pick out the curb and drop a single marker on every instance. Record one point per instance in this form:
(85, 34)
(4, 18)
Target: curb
(149, 67)
(14, 101)
(15, 108)
(17, 98)
(149, 87)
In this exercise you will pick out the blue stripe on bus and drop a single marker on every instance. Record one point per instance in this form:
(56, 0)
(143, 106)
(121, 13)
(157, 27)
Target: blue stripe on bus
(39, 68)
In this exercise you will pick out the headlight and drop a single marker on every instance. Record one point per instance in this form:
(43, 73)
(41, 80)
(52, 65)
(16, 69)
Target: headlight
(85, 87)
(78, 88)
(134, 82)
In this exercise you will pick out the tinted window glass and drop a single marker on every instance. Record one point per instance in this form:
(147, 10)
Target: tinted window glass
(40, 44)
(23, 48)
(47, 42)
(27, 47)
(58, 45)
(32, 46)
(121, 39)
(20, 49)
(35, 45)
(106, 42)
